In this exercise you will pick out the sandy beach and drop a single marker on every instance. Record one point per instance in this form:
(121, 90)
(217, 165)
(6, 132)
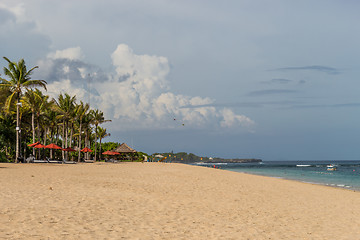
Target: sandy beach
(167, 201)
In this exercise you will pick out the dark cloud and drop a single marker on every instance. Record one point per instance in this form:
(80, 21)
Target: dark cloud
(6, 16)
(278, 81)
(338, 105)
(302, 82)
(125, 77)
(70, 69)
(325, 69)
(246, 104)
(21, 39)
(277, 104)
(62, 68)
(271, 92)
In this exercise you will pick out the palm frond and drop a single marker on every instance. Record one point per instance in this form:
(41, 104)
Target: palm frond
(35, 83)
(8, 102)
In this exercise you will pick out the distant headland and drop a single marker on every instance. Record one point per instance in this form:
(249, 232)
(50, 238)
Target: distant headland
(183, 157)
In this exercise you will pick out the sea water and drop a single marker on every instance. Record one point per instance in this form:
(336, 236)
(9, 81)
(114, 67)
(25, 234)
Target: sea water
(346, 176)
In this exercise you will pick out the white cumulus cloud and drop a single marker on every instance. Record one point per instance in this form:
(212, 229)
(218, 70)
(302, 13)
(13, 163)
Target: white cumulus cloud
(137, 95)
(69, 53)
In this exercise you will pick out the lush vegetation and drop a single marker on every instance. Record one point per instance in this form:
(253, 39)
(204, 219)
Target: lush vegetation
(183, 157)
(27, 115)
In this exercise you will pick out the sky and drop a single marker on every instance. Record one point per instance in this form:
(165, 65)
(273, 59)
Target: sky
(275, 80)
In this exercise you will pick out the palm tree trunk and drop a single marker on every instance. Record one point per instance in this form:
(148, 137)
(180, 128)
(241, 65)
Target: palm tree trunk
(71, 138)
(52, 140)
(33, 129)
(100, 151)
(66, 139)
(79, 143)
(95, 140)
(57, 134)
(86, 144)
(66, 134)
(17, 130)
(71, 134)
(38, 133)
(63, 137)
(45, 135)
(45, 139)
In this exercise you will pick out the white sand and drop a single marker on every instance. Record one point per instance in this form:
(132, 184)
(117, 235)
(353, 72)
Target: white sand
(167, 201)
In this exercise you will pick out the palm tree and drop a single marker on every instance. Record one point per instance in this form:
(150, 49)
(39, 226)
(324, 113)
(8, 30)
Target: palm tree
(53, 122)
(87, 120)
(4, 94)
(98, 118)
(7, 133)
(66, 108)
(19, 79)
(44, 105)
(32, 100)
(81, 110)
(101, 133)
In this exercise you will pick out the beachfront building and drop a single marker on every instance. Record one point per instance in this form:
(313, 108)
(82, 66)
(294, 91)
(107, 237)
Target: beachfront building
(126, 152)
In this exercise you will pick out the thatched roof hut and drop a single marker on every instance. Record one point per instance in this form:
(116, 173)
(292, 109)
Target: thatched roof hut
(124, 148)
(126, 152)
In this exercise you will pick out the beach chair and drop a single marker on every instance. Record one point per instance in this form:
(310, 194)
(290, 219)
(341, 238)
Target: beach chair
(68, 162)
(40, 161)
(53, 161)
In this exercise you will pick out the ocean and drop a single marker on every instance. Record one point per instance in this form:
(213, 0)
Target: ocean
(346, 176)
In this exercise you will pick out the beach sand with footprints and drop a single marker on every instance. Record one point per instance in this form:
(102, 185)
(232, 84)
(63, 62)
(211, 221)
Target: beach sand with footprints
(167, 201)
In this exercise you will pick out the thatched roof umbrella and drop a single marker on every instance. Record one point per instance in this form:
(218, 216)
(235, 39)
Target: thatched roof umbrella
(124, 148)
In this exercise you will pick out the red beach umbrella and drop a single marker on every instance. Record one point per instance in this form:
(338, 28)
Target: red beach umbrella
(110, 153)
(33, 144)
(53, 146)
(86, 149)
(69, 149)
(39, 145)
(107, 153)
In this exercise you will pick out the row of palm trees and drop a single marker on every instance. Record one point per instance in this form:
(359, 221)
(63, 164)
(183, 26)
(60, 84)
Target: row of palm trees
(62, 120)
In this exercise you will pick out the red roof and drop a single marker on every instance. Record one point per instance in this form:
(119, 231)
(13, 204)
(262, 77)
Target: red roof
(110, 153)
(86, 149)
(52, 146)
(33, 144)
(69, 149)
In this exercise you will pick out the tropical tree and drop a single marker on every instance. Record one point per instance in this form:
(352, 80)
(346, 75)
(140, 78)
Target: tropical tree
(19, 80)
(87, 121)
(32, 100)
(98, 118)
(81, 110)
(7, 134)
(52, 120)
(101, 133)
(44, 105)
(66, 107)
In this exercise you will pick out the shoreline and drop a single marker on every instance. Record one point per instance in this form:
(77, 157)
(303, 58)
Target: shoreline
(167, 201)
(303, 181)
(348, 186)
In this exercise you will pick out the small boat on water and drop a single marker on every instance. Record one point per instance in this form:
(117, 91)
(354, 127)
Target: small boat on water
(331, 167)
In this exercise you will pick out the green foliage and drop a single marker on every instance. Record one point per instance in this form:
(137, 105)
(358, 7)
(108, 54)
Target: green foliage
(182, 157)
(108, 146)
(61, 121)
(3, 157)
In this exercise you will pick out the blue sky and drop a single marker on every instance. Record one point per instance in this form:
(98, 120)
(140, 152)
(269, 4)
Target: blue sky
(276, 80)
